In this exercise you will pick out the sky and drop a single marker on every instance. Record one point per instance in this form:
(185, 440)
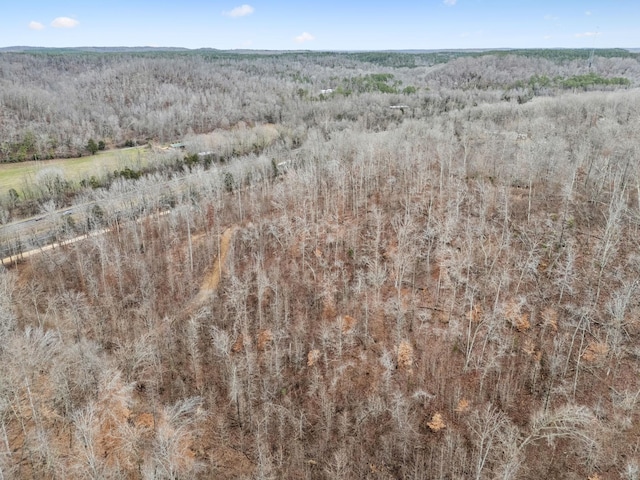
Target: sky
(326, 25)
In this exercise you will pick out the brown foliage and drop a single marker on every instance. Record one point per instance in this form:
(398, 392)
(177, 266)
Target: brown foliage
(405, 356)
(437, 422)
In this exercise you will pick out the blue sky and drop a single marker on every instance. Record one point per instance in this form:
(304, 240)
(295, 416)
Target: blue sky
(327, 25)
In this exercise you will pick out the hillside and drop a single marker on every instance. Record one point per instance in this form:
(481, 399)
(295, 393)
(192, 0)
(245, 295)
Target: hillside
(447, 291)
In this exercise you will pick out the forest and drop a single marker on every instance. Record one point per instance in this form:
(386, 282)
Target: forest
(368, 265)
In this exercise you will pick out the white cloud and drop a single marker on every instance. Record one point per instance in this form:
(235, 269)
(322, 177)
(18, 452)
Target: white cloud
(588, 13)
(451, 3)
(304, 37)
(241, 11)
(36, 26)
(587, 34)
(551, 18)
(64, 22)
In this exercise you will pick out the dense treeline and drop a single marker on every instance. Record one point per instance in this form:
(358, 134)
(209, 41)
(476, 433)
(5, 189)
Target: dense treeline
(54, 105)
(444, 292)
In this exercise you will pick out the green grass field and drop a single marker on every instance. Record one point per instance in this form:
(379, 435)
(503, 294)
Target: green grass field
(21, 176)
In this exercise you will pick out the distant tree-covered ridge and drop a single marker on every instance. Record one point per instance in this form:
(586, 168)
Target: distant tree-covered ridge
(54, 101)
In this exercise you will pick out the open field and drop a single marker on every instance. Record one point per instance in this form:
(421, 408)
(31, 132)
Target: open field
(23, 174)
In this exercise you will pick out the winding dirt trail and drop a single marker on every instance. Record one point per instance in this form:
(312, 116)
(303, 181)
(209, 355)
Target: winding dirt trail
(212, 279)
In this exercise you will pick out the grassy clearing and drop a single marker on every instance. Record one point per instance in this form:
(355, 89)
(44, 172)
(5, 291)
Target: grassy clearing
(20, 176)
